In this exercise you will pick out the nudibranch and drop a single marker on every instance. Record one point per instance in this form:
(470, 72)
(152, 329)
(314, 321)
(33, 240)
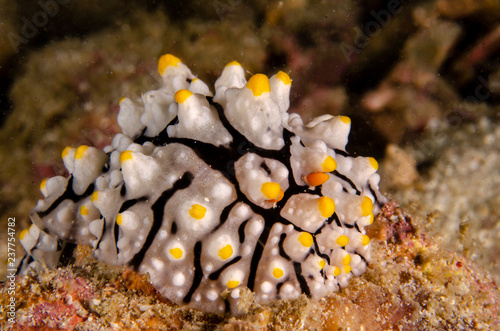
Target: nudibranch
(209, 192)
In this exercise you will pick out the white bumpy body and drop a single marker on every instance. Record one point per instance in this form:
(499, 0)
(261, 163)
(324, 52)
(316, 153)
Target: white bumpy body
(210, 194)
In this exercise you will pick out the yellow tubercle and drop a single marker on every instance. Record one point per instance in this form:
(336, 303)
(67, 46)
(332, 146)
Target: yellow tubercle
(373, 163)
(345, 119)
(329, 164)
(365, 240)
(280, 196)
(346, 260)
(326, 206)
(366, 206)
(306, 239)
(277, 272)
(176, 252)
(80, 151)
(233, 63)
(197, 211)
(126, 155)
(258, 84)
(337, 271)
(65, 151)
(322, 264)
(94, 196)
(343, 240)
(271, 190)
(43, 183)
(226, 252)
(167, 60)
(119, 219)
(371, 218)
(23, 234)
(283, 76)
(347, 269)
(317, 178)
(232, 283)
(182, 95)
(84, 210)
(121, 100)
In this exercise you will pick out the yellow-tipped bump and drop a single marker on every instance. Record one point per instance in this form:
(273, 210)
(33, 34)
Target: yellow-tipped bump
(43, 184)
(373, 163)
(347, 269)
(366, 206)
(317, 178)
(232, 283)
(322, 264)
(197, 211)
(306, 239)
(119, 219)
(167, 60)
(121, 100)
(326, 206)
(329, 164)
(271, 190)
(233, 63)
(345, 119)
(94, 196)
(277, 273)
(365, 240)
(258, 84)
(283, 76)
(280, 196)
(84, 210)
(226, 252)
(346, 260)
(80, 151)
(23, 234)
(337, 271)
(182, 95)
(126, 155)
(65, 151)
(342, 240)
(176, 252)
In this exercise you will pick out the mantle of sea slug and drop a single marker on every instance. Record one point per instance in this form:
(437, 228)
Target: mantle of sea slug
(209, 193)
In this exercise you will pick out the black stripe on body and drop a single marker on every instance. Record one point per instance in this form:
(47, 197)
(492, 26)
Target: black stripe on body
(241, 231)
(129, 203)
(66, 257)
(281, 249)
(257, 255)
(346, 179)
(125, 206)
(116, 232)
(317, 251)
(297, 267)
(158, 210)
(225, 214)
(214, 275)
(68, 194)
(25, 262)
(102, 232)
(198, 272)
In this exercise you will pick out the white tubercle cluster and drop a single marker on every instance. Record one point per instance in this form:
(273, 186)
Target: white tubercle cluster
(210, 192)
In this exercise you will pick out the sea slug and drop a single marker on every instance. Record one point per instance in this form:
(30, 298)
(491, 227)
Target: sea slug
(210, 192)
